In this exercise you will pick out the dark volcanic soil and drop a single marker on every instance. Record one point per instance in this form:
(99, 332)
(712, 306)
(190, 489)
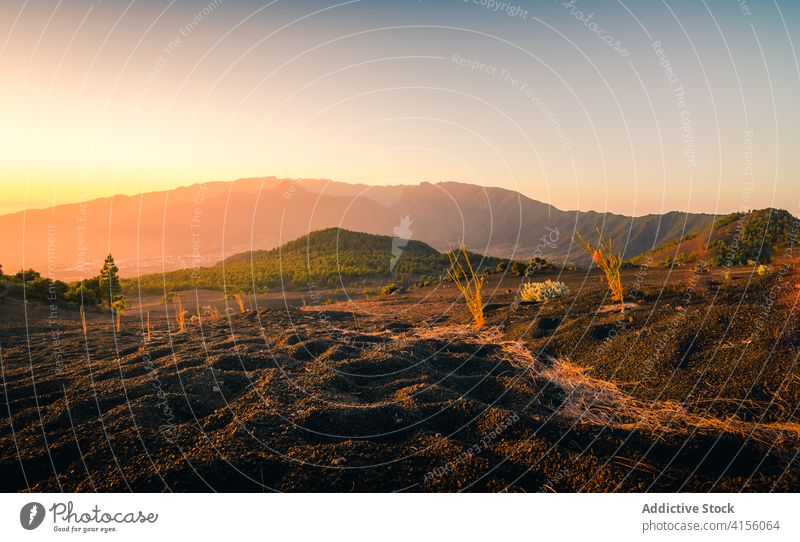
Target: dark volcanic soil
(695, 388)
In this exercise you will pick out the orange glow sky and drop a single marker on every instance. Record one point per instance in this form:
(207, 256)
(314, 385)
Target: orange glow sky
(95, 101)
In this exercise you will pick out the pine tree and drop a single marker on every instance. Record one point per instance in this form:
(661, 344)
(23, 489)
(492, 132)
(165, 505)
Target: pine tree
(109, 280)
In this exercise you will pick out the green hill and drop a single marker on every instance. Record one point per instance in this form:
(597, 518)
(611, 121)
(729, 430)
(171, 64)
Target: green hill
(327, 259)
(735, 239)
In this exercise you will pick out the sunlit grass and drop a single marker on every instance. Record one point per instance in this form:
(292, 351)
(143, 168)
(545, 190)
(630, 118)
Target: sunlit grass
(468, 283)
(180, 314)
(609, 261)
(239, 301)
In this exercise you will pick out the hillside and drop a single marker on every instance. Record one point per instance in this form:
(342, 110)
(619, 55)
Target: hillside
(757, 236)
(328, 258)
(505, 223)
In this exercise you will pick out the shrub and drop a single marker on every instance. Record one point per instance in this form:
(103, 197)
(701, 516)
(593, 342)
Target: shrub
(119, 306)
(610, 262)
(727, 277)
(538, 265)
(388, 289)
(239, 301)
(80, 293)
(83, 320)
(468, 283)
(213, 313)
(27, 275)
(542, 291)
(180, 314)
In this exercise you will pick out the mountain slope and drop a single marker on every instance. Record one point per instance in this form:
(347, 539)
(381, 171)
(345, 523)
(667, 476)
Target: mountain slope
(328, 258)
(736, 239)
(506, 223)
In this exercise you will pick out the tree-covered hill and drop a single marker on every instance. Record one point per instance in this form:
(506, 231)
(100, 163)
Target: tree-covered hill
(736, 239)
(327, 258)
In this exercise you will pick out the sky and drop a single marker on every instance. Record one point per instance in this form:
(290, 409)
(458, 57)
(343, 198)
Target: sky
(630, 107)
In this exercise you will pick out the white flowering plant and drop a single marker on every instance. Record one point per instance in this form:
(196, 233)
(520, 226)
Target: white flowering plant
(542, 291)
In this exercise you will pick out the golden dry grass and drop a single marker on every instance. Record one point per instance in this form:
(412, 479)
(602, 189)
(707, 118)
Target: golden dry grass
(180, 314)
(83, 321)
(468, 283)
(600, 402)
(239, 301)
(213, 313)
(592, 401)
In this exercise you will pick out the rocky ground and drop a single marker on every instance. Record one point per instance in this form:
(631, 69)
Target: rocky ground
(695, 388)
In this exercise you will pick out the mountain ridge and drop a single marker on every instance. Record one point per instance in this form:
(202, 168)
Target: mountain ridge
(202, 224)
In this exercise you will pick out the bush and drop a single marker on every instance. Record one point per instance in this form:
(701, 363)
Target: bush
(606, 258)
(542, 291)
(469, 284)
(388, 289)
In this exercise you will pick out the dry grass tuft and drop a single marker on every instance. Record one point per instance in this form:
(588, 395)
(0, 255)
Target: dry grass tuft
(239, 301)
(598, 402)
(468, 283)
(83, 320)
(449, 332)
(213, 313)
(610, 262)
(180, 314)
(119, 306)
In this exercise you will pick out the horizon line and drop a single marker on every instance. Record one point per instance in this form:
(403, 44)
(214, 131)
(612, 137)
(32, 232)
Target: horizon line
(361, 183)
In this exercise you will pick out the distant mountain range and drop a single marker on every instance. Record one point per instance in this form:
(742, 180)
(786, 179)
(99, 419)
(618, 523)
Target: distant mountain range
(202, 224)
